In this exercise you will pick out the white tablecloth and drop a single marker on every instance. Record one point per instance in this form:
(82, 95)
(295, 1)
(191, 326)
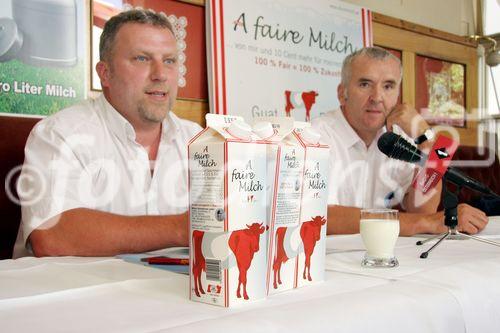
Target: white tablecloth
(456, 289)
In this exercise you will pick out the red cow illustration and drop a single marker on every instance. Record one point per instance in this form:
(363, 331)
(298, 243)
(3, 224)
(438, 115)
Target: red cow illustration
(244, 243)
(310, 232)
(198, 261)
(280, 256)
(305, 99)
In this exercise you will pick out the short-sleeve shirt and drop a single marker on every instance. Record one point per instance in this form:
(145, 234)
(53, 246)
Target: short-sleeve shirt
(86, 156)
(361, 176)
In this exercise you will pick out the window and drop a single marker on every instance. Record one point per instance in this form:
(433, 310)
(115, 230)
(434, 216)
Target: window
(493, 90)
(491, 26)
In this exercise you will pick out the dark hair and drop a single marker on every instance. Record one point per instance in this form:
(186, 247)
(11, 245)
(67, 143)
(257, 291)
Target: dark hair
(136, 15)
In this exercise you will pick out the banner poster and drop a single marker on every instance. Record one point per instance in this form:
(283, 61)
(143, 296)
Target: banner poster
(42, 55)
(281, 57)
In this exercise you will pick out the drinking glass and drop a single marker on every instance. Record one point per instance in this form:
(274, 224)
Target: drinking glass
(379, 230)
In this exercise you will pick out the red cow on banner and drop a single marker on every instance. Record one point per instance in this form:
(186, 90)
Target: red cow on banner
(296, 99)
(198, 261)
(310, 232)
(280, 256)
(244, 243)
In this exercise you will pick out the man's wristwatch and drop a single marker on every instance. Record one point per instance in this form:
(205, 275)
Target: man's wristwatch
(428, 135)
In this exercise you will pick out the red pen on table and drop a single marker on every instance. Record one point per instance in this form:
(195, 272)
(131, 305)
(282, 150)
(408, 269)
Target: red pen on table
(165, 261)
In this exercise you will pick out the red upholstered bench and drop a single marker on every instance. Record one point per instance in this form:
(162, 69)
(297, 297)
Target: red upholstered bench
(14, 132)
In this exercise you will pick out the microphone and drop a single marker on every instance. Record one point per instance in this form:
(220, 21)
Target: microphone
(396, 147)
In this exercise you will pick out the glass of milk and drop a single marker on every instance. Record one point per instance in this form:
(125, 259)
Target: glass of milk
(379, 230)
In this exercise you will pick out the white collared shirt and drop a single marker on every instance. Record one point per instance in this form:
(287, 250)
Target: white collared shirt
(361, 176)
(86, 156)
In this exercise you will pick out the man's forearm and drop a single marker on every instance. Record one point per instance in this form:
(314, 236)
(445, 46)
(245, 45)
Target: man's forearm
(416, 202)
(345, 220)
(421, 223)
(87, 232)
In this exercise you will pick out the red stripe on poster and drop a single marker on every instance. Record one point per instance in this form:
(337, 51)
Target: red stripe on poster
(214, 56)
(363, 26)
(223, 58)
(370, 28)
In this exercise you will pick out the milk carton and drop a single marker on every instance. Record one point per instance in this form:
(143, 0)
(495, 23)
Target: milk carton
(227, 213)
(285, 158)
(313, 214)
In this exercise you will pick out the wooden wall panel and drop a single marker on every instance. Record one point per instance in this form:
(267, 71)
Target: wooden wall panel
(191, 110)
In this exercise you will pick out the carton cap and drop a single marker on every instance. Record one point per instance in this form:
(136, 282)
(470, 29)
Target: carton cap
(282, 126)
(263, 129)
(239, 129)
(310, 136)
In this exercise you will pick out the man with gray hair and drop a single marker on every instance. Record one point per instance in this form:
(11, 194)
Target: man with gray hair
(363, 177)
(109, 176)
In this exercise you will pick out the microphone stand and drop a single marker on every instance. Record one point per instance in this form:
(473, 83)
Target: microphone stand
(450, 203)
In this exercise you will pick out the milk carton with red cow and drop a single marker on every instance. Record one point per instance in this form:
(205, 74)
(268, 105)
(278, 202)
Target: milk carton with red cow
(227, 212)
(285, 177)
(313, 214)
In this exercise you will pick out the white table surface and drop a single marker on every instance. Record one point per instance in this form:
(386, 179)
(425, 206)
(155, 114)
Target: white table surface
(456, 289)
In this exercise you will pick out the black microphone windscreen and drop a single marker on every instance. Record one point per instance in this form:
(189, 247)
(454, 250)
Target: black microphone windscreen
(395, 146)
(386, 142)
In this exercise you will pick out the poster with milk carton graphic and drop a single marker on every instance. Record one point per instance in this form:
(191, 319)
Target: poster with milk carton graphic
(282, 57)
(42, 55)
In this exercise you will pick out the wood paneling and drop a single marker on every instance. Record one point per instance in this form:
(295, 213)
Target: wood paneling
(409, 77)
(423, 30)
(191, 110)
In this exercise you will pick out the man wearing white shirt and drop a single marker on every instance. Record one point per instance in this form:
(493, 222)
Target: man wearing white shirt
(363, 177)
(110, 176)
